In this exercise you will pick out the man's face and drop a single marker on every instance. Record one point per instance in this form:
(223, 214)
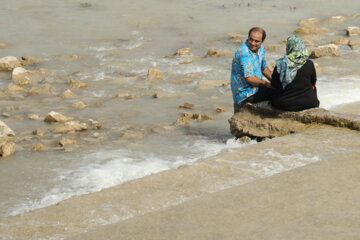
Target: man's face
(255, 41)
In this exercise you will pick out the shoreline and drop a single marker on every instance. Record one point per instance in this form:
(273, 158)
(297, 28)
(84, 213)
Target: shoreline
(168, 189)
(317, 201)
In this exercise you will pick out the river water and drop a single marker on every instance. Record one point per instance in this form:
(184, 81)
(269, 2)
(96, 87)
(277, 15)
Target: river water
(110, 45)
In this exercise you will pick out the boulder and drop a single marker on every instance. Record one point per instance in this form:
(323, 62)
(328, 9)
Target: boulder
(67, 94)
(336, 19)
(79, 105)
(353, 31)
(12, 88)
(7, 148)
(66, 141)
(261, 120)
(42, 89)
(56, 117)
(220, 110)
(68, 127)
(33, 116)
(77, 84)
(154, 74)
(183, 51)
(354, 43)
(341, 41)
(38, 147)
(215, 53)
(30, 60)
(187, 105)
(325, 50)
(9, 63)
(94, 124)
(236, 35)
(5, 131)
(125, 96)
(22, 77)
(308, 21)
(312, 29)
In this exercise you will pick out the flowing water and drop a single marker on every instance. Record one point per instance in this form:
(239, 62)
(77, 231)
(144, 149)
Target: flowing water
(110, 45)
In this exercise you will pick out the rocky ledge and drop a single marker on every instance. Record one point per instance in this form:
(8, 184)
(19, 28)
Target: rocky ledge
(261, 120)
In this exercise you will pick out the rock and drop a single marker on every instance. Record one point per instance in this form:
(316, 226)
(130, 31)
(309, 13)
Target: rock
(187, 105)
(6, 115)
(7, 148)
(3, 45)
(79, 105)
(125, 96)
(94, 124)
(353, 31)
(22, 77)
(325, 50)
(354, 43)
(11, 88)
(244, 139)
(207, 84)
(198, 116)
(38, 147)
(33, 117)
(77, 84)
(261, 120)
(312, 29)
(341, 41)
(68, 127)
(42, 89)
(220, 110)
(183, 51)
(39, 132)
(336, 19)
(318, 69)
(5, 131)
(308, 21)
(56, 117)
(239, 41)
(66, 141)
(236, 35)
(183, 121)
(186, 60)
(215, 53)
(154, 74)
(30, 60)
(67, 94)
(9, 63)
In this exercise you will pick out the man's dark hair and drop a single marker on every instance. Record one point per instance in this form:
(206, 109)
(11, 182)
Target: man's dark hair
(258, 29)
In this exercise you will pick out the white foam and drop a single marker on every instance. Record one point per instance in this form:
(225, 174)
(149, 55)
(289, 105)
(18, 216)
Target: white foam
(338, 91)
(105, 169)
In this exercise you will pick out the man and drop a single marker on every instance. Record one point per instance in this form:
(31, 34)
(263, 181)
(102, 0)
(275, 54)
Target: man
(248, 68)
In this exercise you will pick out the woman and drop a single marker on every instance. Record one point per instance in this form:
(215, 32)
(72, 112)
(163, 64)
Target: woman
(294, 77)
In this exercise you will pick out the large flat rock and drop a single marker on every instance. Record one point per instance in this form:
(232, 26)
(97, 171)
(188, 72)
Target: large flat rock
(261, 120)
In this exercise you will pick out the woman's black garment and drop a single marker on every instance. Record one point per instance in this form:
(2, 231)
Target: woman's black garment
(300, 94)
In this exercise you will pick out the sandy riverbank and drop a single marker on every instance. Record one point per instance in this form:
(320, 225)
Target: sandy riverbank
(318, 201)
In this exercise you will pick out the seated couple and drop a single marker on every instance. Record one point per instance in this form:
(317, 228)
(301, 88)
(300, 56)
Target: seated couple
(291, 86)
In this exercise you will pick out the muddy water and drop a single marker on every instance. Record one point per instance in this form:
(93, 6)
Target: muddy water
(110, 46)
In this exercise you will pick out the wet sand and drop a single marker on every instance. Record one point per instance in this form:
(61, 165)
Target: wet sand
(318, 201)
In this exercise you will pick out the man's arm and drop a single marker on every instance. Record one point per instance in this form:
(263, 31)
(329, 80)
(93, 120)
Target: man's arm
(258, 82)
(267, 73)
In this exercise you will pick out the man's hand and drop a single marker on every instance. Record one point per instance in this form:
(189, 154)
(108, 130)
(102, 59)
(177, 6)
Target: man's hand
(258, 82)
